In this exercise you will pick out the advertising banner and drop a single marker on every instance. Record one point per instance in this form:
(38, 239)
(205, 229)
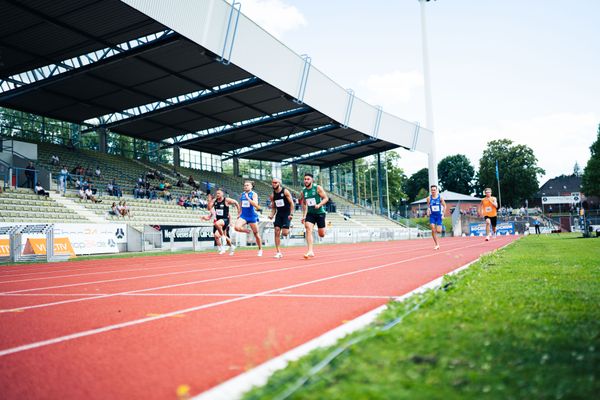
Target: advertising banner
(502, 228)
(184, 233)
(93, 238)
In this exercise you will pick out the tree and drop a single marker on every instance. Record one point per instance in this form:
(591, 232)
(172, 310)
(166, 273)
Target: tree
(591, 173)
(518, 171)
(456, 174)
(396, 180)
(576, 169)
(419, 180)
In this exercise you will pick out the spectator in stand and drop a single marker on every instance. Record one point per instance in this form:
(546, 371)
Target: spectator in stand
(187, 203)
(88, 171)
(181, 201)
(29, 175)
(125, 210)
(195, 202)
(203, 203)
(97, 172)
(90, 196)
(116, 189)
(139, 192)
(63, 177)
(110, 189)
(179, 183)
(140, 180)
(114, 210)
(150, 174)
(161, 186)
(71, 145)
(152, 194)
(39, 190)
(54, 160)
(81, 193)
(193, 183)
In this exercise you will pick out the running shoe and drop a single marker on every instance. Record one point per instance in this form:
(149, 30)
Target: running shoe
(309, 254)
(222, 251)
(231, 250)
(487, 238)
(278, 255)
(436, 247)
(259, 253)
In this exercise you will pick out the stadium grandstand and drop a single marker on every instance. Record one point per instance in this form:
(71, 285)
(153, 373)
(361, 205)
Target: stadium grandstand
(146, 109)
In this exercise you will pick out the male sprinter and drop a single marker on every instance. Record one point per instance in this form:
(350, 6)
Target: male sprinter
(249, 201)
(313, 198)
(435, 211)
(282, 207)
(488, 209)
(219, 207)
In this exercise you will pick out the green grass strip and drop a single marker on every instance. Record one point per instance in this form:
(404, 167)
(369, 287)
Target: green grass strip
(522, 323)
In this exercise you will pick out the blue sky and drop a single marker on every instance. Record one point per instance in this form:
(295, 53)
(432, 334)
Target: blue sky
(524, 70)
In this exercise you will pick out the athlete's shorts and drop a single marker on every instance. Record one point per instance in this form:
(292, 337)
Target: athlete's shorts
(250, 220)
(492, 220)
(225, 226)
(318, 219)
(282, 221)
(435, 219)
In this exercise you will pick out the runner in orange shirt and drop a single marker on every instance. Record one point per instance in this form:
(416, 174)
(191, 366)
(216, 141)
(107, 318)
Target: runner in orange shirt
(488, 209)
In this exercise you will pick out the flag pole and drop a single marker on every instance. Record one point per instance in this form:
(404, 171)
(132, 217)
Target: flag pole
(498, 180)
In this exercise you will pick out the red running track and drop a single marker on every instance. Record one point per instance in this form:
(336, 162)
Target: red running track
(140, 328)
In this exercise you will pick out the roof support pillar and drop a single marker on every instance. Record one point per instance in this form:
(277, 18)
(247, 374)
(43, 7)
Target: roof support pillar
(176, 156)
(236, 166)
(102, 139)
(330, 179)
(380, 183)
(295, 175)
(354, 185)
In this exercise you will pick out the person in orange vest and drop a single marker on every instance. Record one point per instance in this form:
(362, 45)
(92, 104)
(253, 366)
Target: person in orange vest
(488, 209)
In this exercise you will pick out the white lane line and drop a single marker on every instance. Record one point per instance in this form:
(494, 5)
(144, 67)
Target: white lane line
(303, 264)
(236, 387)
(211, 257)
(316, 295)
(121, 325)
(232, 261)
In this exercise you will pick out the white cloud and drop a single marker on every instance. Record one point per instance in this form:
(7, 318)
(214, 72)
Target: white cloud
(392, 90)
(558, 140)
(275, 16)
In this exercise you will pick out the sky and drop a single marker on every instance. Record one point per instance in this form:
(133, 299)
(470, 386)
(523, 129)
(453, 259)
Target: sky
(528, 71)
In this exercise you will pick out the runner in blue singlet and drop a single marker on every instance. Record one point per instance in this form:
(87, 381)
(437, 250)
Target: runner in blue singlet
(249, 205)
(435, 210)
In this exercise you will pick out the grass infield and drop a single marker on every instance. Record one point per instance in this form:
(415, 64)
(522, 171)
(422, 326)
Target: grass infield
(522, 323)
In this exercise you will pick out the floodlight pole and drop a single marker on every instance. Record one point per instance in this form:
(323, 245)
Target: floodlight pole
(432, 159)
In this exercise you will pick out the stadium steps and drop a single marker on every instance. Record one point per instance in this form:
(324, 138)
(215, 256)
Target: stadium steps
(22, 205)
(77, 208)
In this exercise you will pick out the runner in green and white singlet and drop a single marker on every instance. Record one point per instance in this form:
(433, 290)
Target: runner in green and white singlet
(313, 199)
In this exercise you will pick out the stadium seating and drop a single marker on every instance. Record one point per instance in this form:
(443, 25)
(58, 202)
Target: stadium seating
(22, 205)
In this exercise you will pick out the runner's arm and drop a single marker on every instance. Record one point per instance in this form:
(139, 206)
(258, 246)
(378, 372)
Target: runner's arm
(324, 197)
(428, 210)
(254, 202)
(288, 195)
(272, 206)
(230, 201)
(304, 207)
(443, 206)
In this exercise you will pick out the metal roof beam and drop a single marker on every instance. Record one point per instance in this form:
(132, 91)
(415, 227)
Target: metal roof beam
(175, 103)
(319, 154)
(272, 144)
(214, 133)
(24, 82)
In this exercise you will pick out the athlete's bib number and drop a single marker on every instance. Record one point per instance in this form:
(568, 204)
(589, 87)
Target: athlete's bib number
(279, 203)
(220, 213)
(488, 209)
(245, 203)
(311, 202)
(435, 208)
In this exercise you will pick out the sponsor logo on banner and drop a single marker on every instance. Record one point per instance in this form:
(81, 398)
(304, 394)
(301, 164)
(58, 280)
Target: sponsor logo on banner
(574, 198)
(38, 246)
(182, 233)
(93, 238)
(4, 248)
(502, 228)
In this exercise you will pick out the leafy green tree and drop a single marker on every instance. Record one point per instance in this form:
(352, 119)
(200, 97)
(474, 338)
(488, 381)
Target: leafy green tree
(456, 174)
(396, 180)
(518, 171)
(591, 173)
(419, 180)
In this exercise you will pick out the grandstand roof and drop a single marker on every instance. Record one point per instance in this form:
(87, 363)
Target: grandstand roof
(112, 62)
